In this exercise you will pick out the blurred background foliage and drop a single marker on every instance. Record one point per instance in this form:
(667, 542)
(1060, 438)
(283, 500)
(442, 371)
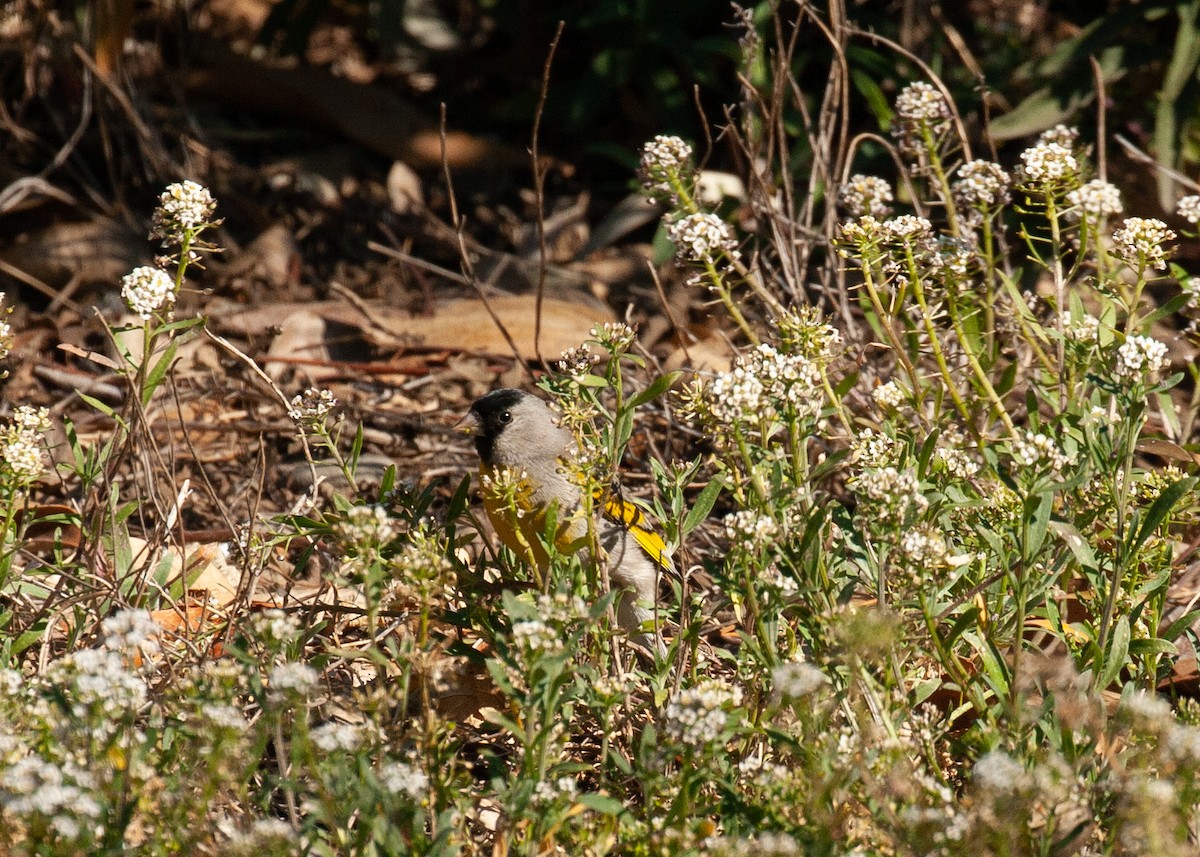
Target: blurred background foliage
(628, 69)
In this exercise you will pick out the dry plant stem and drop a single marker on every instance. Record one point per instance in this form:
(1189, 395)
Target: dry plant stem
(539, 193)
(283, 400)
(1060, 293)
(459, 225)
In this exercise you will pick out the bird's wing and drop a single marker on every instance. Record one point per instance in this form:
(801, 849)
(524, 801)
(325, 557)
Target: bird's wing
(630, 517)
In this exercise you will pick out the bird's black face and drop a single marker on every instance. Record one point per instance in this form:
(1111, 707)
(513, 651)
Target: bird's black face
(492, 414)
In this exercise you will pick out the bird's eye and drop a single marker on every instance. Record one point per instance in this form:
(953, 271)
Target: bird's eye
(504, 417)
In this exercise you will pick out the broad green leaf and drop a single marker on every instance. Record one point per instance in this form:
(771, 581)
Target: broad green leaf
(703, 505)
(1118, 652)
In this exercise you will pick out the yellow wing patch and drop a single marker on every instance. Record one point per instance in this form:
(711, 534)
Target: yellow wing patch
(631, 518)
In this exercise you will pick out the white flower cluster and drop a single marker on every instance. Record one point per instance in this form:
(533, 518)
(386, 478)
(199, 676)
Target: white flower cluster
(333, 737)
(664, 159)
(866, 195)
(790, 382)
(536, 637)
(699, 715)
(132, 631)
(863, 232)
(1036, 450)
(871, 448)
(981, 185)
(562, 789)
(34, 788)
(578, 361)
(1082, 328)
(1097, 199)
(749, 527)
(1139, 357)
(100, 683)
(265, 836)
(909, 229)
(1189, 209)
(1060, 135)
(184, 207)
(796, 679)
(276, 626)
(312, 407)
(920, 103)
(401, 778)
(614, 335)
(892, 492)
(365, 529)
(999, 773)
(292, 678)
(1048, 164)
(1140, 242)
(702, 238)
(924, 546)
(958, 462)
(736, 397)
(21, 445)
(889, 395)
(148, 290)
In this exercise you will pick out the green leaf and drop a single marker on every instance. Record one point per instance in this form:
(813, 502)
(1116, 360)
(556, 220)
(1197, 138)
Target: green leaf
(656, 388)
(703, 505)
(100, 406)
(602, 804)
(154, 377)
(1181, 71)
(1161, 508)
(1076, 543)
(1118, 653)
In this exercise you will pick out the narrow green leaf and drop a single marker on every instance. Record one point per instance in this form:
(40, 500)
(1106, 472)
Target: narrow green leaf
(154, 377)
(656, 388)
(703, 505)
(1161, 508)
(1118, 653)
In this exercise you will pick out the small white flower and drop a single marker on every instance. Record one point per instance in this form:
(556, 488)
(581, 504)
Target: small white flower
(889, 396)
(699, 715)
(1189, 209)
(22, 442)
(1140, 241)
(1036, 450)
(908, 228)
(1097, 198)
(401, 778)
(148, 290)
(1048, 164)
(750, 527)
(702, 238)
(365, 529)
(614, 335)
(664, 159)
(920, 103)
(293, 677)
(796, 679)
(1139, 357)
(535, 636)
(312, 406)
(981, 185)
(183, 207)
(866, 195)
(924, 546)
(337, 737)
(998, 772)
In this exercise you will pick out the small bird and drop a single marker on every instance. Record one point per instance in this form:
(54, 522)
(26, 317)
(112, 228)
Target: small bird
(518, 431)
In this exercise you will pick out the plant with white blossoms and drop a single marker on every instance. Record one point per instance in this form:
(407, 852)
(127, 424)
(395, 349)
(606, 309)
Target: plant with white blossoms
(702, 238)
(1038, 452)
(863, 194)
(1140, 243)
(1096, 199)
(1139, 358)
(22, 446)
(1048, 168)
(665, 168)
(702, 714)
(1189, 209)
(148, 291)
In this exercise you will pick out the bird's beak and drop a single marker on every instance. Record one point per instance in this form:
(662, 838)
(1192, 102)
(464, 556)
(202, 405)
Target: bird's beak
(468, 425)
